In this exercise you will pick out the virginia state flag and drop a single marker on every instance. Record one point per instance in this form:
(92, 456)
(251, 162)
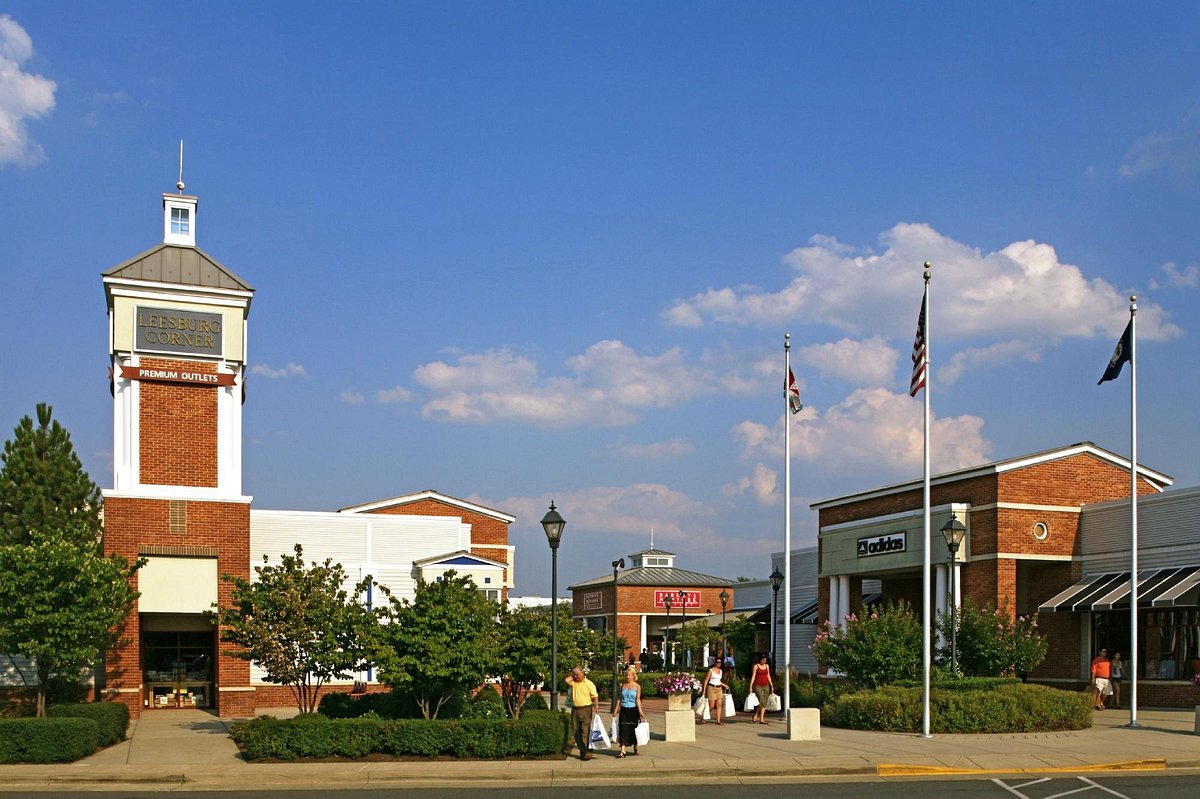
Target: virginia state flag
(793, 392)
(1122, 355)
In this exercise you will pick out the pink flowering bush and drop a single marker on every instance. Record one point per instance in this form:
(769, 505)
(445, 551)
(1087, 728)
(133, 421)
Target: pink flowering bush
(882, 647)
(991, 642)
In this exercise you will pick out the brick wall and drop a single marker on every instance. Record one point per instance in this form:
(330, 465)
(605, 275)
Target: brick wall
(130, 525)
(484, 529)
(178, 429)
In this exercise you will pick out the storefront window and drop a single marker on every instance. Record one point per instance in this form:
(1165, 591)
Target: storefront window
(1170, 641)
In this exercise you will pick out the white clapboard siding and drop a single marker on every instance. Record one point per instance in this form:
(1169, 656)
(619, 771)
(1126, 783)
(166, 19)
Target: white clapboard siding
(383, 546)
(1166, 532)
(13, 668)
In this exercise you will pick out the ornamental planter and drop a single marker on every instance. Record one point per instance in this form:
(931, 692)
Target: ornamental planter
(680, 701)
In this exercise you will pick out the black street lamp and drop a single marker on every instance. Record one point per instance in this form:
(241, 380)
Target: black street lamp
(553, 524)
(776, 582)
(724, 601)
(616, 564)
(953, 530)
(668, 659)
(683, 623)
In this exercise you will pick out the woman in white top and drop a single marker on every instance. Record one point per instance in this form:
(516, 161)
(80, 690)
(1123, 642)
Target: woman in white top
(714, 690)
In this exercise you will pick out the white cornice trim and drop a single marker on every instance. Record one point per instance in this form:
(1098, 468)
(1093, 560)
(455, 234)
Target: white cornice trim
(141, 289)
(176, 492)
(1026, 556)
(1028, 506)
(429, 494)
(957, 507)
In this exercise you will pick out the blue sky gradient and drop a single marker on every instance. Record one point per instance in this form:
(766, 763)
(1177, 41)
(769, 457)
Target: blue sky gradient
(518, 252)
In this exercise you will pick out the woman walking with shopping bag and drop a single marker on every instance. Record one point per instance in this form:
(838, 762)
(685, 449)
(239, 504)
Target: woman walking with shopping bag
(714, 690)
(630, 712)
(763, 686)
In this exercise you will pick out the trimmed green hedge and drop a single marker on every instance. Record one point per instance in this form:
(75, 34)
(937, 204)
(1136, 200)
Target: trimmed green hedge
(48, 740)
(113, 718)
(538, 733)
(1009, 707)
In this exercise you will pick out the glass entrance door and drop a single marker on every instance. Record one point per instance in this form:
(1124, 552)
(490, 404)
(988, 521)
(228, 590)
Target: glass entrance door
(178, 668)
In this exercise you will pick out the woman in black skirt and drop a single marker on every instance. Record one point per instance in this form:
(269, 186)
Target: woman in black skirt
(631, 714)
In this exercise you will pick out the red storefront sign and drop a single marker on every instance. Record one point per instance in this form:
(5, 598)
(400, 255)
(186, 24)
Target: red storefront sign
(158, 374)
(690, 599)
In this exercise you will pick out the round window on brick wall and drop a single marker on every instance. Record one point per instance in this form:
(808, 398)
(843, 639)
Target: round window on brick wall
(1041, 531)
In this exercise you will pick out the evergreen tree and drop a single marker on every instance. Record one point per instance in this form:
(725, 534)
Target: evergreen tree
(43, 486)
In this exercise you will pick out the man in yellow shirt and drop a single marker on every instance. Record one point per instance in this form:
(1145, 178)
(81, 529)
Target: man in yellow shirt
(584, 704)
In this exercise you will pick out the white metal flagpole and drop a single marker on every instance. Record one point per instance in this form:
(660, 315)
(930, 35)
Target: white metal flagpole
(1133, 531)
(926, 625)
(787, 533)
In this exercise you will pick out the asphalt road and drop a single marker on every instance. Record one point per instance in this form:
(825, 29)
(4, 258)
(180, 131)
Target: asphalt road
(1171, 786)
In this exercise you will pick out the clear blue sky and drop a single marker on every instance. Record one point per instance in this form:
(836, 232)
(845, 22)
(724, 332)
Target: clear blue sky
(518, 252)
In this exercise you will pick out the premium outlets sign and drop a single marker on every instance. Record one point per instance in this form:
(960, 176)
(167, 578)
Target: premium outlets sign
(178, 331)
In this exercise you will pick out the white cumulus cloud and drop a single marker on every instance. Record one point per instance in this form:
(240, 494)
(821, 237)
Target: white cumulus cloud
(352, 397)
(393, 396)
(609, 384)
(1175, 153)
(867, 362)
(1176, 278)
(993, 355)
(23, 96)
(872, 431)
(291, 370)
(762, 483)
(1021, 291)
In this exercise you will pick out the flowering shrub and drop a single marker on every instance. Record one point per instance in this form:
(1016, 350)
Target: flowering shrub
(881, 647)
(991, 643)
(677, 682)
(1196, 679)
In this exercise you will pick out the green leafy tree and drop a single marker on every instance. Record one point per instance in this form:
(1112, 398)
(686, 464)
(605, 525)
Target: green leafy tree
(991, 643)
(524, 656)
(441, 644)
(300, 625)
(694, 636)
(740, 636)
(61, 603)
(43, 486)
(882, 646)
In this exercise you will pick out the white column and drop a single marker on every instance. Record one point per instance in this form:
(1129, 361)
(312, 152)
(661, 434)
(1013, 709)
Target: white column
(844, 597)
(940, 595)
(957, 585)
(835, 597)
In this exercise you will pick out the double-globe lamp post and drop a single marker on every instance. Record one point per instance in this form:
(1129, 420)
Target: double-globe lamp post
(953, 530)
(776, 581)
(553, 524)
(668, 660)
(683, 622)
(616, 564)
(724, 647)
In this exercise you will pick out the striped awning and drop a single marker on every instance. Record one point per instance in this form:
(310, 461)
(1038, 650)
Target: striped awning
(1157, 588)
(809, 614)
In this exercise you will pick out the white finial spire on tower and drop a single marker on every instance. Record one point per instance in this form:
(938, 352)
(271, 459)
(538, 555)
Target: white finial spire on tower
(179, 185)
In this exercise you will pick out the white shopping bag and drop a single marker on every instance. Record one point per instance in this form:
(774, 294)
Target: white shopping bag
(613, 728)
(730, 706)
(751, 702)
(701, 708)
(599, 738)
(773, 703)
(642, 733)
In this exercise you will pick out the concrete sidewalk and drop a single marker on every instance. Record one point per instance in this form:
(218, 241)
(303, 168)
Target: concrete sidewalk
(191, 750)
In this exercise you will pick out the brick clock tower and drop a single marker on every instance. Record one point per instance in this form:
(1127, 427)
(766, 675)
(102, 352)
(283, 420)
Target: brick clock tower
(177, 340)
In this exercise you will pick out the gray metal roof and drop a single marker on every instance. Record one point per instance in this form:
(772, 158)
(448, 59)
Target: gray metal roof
(657, 575)
(172, 263)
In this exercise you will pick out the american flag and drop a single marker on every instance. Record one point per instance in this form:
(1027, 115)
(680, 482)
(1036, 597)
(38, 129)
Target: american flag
(918, 355)
(793, 392)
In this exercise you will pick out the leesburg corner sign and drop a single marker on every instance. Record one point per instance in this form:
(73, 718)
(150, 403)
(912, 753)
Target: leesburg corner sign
(881, 545)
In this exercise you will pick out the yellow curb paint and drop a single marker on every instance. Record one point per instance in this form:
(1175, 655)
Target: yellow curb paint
(900, 770)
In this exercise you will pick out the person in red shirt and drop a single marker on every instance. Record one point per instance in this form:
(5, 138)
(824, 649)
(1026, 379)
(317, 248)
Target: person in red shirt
(1101, 670)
